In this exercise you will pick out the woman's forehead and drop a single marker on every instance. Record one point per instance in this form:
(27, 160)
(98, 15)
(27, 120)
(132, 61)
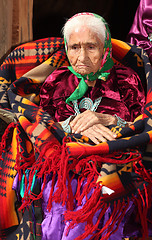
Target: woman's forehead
(83, 35)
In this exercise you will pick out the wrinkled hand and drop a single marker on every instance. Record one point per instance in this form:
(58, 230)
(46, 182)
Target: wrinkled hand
(89, 118)
(93, 125)
(99, 133)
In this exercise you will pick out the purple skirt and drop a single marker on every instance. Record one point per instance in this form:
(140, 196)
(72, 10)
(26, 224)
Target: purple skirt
(55, 228)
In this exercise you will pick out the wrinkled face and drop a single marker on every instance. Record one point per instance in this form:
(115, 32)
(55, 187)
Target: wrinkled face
(85, 51)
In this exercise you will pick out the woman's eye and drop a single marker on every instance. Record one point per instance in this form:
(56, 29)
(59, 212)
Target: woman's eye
(91, 47)
(75, 48)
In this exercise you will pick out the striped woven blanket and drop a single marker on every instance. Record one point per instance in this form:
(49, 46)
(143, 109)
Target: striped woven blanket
(33, 142)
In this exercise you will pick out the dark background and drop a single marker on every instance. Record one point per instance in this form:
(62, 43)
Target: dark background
(50, 15)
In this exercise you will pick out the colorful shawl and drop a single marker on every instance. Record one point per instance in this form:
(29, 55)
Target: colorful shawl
(34, 146)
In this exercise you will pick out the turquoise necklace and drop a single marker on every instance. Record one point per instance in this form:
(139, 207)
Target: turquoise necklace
(85, 103)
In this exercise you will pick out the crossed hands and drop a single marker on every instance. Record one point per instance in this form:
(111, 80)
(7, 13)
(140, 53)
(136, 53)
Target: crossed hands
(93, 125)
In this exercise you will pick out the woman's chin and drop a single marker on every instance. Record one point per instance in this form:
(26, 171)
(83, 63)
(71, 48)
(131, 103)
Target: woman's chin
(83, 71)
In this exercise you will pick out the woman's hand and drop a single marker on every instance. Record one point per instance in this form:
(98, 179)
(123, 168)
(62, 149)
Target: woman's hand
(88, 119)
(99, 133)
(93, 125)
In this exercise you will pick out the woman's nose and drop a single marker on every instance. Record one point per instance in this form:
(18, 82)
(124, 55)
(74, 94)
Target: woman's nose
(82, 54)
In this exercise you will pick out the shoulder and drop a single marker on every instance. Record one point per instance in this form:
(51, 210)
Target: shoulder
(57, 75)
(124, 71)
(60, 71)
(61, 81)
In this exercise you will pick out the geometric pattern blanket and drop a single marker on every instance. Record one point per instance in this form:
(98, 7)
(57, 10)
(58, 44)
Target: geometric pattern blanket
(33, 142)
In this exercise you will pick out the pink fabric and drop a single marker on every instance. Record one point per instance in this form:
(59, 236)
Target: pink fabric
(142, 27)
(122, 93)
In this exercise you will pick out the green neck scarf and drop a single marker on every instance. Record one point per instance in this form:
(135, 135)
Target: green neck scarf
(107, 64)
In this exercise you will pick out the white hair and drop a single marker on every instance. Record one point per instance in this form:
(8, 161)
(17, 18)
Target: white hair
(95, 24)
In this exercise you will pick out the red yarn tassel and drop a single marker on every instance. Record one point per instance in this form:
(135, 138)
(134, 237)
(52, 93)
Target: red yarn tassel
(55, 159)
(87, 212)
(5, 137)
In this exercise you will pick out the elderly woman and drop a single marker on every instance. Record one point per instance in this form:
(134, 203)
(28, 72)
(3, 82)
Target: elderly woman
(87, 97)
(91, 83)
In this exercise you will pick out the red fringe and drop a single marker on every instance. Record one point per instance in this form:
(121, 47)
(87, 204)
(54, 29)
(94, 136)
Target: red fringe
(86, 214)
(43, 166)
(54, 159)
(3, 146)
(5, 138)
(22, 162)
(96, 202)
(144, 199)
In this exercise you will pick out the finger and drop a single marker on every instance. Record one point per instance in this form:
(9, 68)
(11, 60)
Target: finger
(96, 135)
(78, 122)
(85, 120)
(104, 131)
(101, 136)
(79, 116)
(75, 120)
(88, 122)
(90, 136)
(83, 124)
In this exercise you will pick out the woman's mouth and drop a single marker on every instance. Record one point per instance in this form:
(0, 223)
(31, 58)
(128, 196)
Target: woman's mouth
(82, 66)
